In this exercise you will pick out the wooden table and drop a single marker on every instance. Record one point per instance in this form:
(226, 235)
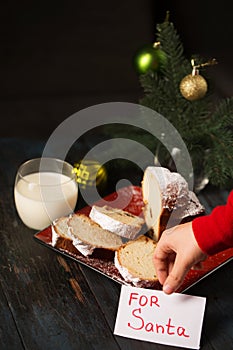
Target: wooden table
(48, 301)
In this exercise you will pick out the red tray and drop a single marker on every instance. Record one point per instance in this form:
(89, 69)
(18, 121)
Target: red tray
(133, 196)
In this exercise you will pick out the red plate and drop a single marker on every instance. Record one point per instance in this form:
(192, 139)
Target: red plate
(132, 196)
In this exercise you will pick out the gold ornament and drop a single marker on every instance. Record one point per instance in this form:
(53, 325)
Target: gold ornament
(90, 173)
(193, 86)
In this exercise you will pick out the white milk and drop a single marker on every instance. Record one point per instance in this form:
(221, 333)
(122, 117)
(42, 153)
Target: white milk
(41, 198)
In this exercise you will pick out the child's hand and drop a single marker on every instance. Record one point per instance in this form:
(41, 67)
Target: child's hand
(176, 253)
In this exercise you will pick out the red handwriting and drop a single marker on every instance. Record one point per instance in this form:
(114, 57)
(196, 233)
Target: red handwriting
(168, 328)
(144, 300)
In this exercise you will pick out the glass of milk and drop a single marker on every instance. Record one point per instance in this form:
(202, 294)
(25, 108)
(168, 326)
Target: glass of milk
(45, 189)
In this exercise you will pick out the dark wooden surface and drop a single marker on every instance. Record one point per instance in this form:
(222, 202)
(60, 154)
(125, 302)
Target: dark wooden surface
(51, 302)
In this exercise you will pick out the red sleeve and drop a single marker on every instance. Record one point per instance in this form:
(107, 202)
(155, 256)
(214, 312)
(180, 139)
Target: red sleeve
(214, 232)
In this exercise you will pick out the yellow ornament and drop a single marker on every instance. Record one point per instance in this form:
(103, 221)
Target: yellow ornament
(90, 173)
(193, 86)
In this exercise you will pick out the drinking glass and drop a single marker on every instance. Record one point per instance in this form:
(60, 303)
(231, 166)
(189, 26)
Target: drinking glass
(45, 189)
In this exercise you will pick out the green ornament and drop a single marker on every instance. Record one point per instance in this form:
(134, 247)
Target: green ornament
(150, 58)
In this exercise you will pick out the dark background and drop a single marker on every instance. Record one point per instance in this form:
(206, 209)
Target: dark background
(60, 57)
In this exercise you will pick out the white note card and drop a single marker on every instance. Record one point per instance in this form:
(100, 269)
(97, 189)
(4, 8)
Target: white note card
(153, 316)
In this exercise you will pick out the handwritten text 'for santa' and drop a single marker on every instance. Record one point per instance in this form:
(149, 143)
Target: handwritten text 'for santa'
(152, 315)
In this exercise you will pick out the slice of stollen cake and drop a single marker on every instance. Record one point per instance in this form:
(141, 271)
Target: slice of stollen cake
(87, 235)
(134, 261)
(117, 221)
(60, 235)
(78, 233)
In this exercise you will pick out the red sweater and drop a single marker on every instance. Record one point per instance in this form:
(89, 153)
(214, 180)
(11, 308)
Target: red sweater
(214, 232)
